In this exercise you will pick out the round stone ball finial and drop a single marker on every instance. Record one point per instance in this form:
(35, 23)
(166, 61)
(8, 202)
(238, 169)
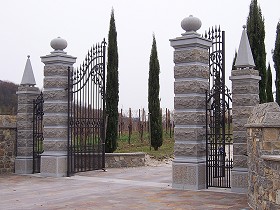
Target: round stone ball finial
(58, 44)
(191, 23)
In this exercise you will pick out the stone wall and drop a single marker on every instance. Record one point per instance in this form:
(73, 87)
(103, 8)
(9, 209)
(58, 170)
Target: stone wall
(263, 130)
(119, 160)
(7, 143)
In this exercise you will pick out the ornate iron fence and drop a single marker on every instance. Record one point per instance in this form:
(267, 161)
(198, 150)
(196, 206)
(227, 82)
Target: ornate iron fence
(38, 136)
(86, 112)
(219, 141)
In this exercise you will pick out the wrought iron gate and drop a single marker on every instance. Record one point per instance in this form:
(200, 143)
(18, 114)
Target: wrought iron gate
(86, 112)
(218, 116)
(38, 137)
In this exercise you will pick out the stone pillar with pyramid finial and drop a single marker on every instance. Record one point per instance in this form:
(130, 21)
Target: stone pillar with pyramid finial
(26, 93)
(245, 95)
(191, 58)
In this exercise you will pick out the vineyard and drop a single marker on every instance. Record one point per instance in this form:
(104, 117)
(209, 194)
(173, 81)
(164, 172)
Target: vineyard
(134, 133)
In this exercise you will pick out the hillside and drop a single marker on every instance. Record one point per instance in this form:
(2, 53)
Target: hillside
(8, 97)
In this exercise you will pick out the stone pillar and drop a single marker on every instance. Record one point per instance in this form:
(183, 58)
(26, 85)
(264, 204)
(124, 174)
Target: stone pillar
(26, 94)
(54, 157)
(191, 58)
(245, 95)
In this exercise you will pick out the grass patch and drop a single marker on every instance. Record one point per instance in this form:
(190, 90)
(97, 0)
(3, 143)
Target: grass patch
(136, 145)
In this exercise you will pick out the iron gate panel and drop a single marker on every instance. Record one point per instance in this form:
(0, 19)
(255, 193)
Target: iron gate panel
(86, 112)
(218, 116)
(38, 137)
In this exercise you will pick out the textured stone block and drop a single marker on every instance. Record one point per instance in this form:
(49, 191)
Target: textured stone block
(190, 86)
(55, 145)
(239, 182)
(241, 112)
(270, 134)
(191, 55)
(240, 136)
(56, 82)
(248, 87)
(240, 148)
(25, 134)
(191, 71)
(24, 165)
(242, 72)
(245, 100)
(189, 118)
(189, 102)
(59, 107)
(25, 108)
(56, 119)
(192, 134)
(55, 132)
(190, 149)
(24, 151)
(24, 125)
(238, 124)
(54, 166)
(188, 176)
(60, 95)
(240, 161)
(27, 98)
(56, 70)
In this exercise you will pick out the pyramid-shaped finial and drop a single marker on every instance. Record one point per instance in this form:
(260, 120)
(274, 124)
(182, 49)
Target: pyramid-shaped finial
(244, 56)
(28, 76)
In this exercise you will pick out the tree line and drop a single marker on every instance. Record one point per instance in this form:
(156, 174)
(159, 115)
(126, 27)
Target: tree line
(8, 98)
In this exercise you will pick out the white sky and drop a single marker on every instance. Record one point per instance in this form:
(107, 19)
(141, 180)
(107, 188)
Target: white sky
(28, 26)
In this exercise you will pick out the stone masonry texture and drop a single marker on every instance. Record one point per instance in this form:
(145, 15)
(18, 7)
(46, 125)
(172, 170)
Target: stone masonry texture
(263, 130)
(7, 143)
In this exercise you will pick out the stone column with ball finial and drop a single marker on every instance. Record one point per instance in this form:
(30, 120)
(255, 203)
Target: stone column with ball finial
(191, 73)
(54, 157)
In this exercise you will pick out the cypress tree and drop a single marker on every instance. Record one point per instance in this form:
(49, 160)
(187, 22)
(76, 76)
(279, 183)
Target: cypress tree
(256, 35)
(269, 85)
(276, 60)
(112, 88)
(234, 60)
(153, 98)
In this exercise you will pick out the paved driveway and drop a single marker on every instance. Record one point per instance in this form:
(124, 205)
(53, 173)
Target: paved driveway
(119, 189)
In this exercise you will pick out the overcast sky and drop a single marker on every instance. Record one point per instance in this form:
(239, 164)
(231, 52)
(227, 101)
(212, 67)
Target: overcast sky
(28, 26)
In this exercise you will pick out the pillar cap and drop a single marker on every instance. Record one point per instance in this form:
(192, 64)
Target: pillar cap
(191, 24)
(28, 76)
(58, 44)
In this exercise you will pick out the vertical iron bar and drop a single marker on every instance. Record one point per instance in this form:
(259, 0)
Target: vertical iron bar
(104, 103)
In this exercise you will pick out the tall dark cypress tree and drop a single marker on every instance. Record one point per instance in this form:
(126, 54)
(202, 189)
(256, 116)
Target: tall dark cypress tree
(112, 89)
(269, 85)
(153, 98)
(256, 35)
(276, 60)
(234, 60)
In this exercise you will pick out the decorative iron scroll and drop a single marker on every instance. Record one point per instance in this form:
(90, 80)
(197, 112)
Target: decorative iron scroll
(218, 115)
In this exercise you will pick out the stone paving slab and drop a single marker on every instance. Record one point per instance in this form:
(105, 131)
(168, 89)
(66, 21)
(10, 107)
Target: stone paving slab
(142, 188)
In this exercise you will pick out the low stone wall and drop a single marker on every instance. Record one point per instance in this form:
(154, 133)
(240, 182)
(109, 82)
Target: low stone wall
(7, 143)
(263, 149)
(119, 160)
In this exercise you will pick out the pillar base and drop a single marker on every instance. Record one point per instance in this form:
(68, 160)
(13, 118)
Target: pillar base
(188, 176)
(54, 165)
(239, 180)
(24, 165)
